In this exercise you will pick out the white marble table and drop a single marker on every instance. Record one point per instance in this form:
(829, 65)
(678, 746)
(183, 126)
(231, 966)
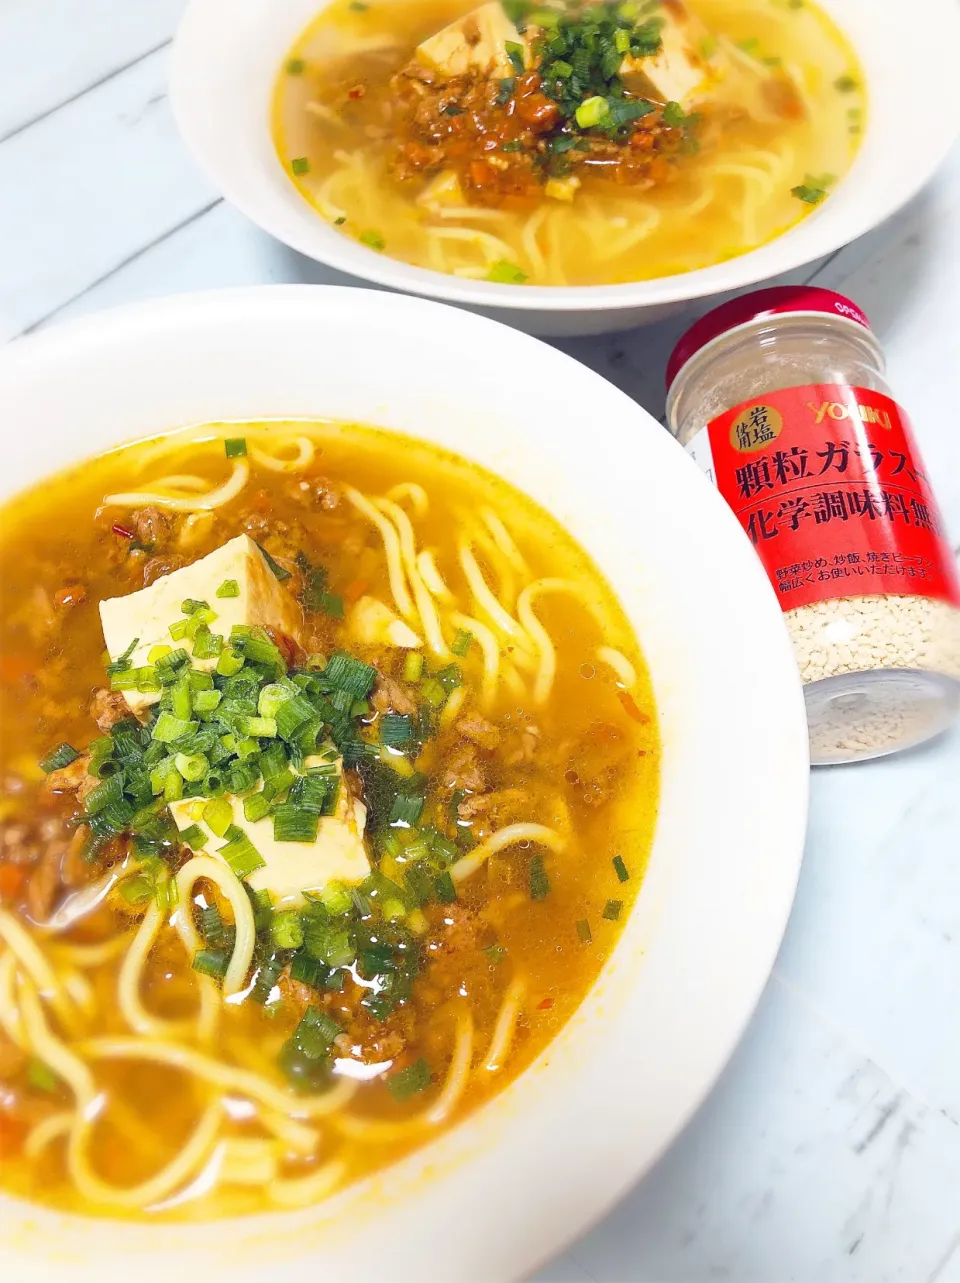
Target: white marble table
(830, 1151)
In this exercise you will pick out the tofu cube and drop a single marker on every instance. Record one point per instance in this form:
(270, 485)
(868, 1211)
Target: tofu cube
(681, 72)
(476, 41)
(291, 868)
(147, 615)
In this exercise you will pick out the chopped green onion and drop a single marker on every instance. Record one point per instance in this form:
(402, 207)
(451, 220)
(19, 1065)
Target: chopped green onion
(622, 872)
(295, 67)
(211, 962)
(41, 1077)
(230, 662)
(412, 666)
(235, 447)
(612, 910)
(211, 925)
(674, 115)
(809, 195)
(285, 930)
(194, 837)
(240, 853)
(445, 888)
(353, 676)
(207, 645)
(229, 588)
(583, 931)
(504, 273)
(462, 642)
(372, 239)
(621, 38)
(137, 890)
(122, 662)
(845, 84)
(335, 898)
(396, 729)
(407, 1082)
(168, 728)
(206, 701)
(191, 605)
(592, 111)
(291, 824)
(515, 52)
(261, 727)
(60, 757)
(496, 953)
(192, 766)
(218, 816)
(109, 790)
(539, 882)
(300, 165)
(279, 571)
(256, 807)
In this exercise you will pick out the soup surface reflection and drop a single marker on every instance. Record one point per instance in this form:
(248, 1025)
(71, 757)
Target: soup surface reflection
(334, 839)
(565, 143)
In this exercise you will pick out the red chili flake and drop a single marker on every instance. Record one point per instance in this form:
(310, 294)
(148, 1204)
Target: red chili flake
(630, 708)
(122, 531)
(356, 92)
(545, 1005)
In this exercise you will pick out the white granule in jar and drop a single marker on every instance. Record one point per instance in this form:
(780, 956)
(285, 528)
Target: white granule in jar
(881, 672)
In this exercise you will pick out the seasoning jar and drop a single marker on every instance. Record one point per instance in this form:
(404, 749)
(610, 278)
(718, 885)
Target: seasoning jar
(781, 399)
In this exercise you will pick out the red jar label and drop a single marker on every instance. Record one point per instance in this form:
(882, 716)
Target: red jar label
(827, 482)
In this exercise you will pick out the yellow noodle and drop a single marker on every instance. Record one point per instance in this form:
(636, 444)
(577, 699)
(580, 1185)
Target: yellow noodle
(254, 1086)
(530, 244)
(33, 962)
(296, 1136)
(302, 460)
(215, 498)
(188, 1159)
(483, 595)
(451, 709)
(513, 681)
(129, 984)
(391, 544)
(412, 490)
(44, 1044)
(378, 1130)
(248, 1161)
(80, 990)
(504, 540)
(10, 1019)
(541, 638)
(45, 1133)
(90, 955)
(431, 576)
(615, 659)
(508, 836)
(429, 618)
(490, 648)
(304, 1191)
(227, 882)
(506, 1025)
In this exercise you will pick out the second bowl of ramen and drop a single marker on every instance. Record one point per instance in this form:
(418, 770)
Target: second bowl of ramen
(571, 166)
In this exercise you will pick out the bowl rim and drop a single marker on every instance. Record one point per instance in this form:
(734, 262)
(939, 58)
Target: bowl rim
(217, 313)
(787, 252)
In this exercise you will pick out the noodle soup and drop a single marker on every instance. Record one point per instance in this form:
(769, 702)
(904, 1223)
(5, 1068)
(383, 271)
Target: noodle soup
(333, 839)
(564, 144)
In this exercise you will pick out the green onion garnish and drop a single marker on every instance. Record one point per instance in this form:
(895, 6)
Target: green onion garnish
(372, 239)
(194, 837)
(583, 931)
(300, 165)
(295, 67)
(229, 588)
(845, 84)
(275, 566)
(60, 757)
(539, 882)
(211, 962)
(285, 930)
(412, 666)
(235, 447)
(462, 642)
(240, 853)
(612, 910)
(445, 888)
(396, 730)
(504, 273)
(592, 112)
(515, 52)
(218, 816)
(407, 1082)
(809, 195)
(292, 824)
(622, 872)
(41, 1077)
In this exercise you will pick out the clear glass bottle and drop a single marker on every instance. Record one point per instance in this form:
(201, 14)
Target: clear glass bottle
(755, 387)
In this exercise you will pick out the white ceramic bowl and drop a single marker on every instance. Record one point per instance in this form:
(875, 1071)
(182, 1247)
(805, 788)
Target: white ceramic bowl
(520, 1178)
(228, 53)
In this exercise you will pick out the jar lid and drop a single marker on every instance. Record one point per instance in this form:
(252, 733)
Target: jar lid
(780, 300)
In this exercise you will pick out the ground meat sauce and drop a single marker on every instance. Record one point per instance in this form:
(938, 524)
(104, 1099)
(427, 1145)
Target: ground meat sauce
(501, 138)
